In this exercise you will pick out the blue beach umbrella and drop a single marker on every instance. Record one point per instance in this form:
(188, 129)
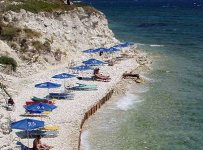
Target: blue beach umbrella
(100, 49)
(63, 76)
(27, 125)
(93, 62)
(41, 107)
(48, 85)
(82, 68)
(113, 49)
(89, 51)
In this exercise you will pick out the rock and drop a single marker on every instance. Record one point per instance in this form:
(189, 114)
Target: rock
(71, 31)
(7, 17)
(22, 11)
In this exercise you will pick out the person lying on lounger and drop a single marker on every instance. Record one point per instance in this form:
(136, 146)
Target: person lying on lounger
(99, 75)
(38, 145)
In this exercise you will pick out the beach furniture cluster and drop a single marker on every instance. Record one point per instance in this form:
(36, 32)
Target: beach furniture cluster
(42, 106)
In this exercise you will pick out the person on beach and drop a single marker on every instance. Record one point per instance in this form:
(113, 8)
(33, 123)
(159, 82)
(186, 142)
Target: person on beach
(99, 75)
(38, 145)
(101, 53)
(11, 101)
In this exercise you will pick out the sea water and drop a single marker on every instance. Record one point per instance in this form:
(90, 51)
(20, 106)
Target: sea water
(166, 112)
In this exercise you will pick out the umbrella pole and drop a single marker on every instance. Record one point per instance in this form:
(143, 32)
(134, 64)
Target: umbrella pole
(48, 92)
(64, 85)
(28, 138)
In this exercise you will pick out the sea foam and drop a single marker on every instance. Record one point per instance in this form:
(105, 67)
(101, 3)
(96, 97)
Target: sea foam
(84, 140)
(125, 103)
(156, 45)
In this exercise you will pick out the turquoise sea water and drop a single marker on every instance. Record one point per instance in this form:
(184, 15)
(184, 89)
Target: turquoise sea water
(166, 113)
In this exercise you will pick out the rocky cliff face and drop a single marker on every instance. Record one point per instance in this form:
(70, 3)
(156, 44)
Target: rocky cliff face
(61, 36)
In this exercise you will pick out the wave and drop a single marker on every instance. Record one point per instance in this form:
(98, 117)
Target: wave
(148, 79)
(156, 45)
(125, 103)
(84, 140)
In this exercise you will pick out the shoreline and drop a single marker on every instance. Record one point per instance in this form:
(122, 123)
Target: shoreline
(92, 111)
(117, 91)
(70, 114)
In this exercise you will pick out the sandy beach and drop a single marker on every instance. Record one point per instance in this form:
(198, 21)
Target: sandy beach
(69, 113)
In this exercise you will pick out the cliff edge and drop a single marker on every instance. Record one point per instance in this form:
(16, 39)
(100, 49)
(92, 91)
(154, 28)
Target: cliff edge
(50, 38)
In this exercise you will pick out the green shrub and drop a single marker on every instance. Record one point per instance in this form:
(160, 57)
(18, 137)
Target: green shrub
(8, 61)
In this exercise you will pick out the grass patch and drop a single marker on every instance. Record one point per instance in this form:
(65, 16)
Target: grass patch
(31, 34)
(8, 61)
(36, 6)
(41, 47)
(37, 45)
(8, 32)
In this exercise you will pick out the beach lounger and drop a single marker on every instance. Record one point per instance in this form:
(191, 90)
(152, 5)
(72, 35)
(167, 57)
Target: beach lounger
(93, 78)
(61, 95)
(29, 113)
(37, 99)
(86, 85)
(83, 87)
(22, 146)
(30, 102)
(100, 77)
(34, 133)
(85, 78)
(43, 133)
(50, 128)
(110, 62)
(102, 80)
(106, 79)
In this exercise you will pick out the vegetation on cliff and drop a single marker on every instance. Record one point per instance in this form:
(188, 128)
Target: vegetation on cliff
(48, 31)
(8, 61)
(36, 6)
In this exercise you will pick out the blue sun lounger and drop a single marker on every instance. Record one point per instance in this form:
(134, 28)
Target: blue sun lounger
(34, 133)
(34, 98)
(61, 95)
(83, 87)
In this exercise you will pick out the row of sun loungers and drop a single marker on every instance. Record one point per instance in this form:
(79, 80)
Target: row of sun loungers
(53, 131)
